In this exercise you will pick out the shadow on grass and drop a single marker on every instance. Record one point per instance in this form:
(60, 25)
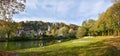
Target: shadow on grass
(93, 49)
(104, 50)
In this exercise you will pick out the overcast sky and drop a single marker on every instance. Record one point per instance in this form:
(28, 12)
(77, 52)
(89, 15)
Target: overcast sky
(67, 11)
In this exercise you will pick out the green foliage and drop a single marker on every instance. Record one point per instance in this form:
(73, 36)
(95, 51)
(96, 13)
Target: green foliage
(110, 20)
(108, 23)
(87, 28)
(7, 28)
(11, 29)
(82, 31)
(114, 17)
(100, 25)
(63, 32)
(71, 33)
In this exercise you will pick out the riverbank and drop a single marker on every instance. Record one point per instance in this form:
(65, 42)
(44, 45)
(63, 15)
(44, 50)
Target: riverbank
(16, 39)
(99, 46)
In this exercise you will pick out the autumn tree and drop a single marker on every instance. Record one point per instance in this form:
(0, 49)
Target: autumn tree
(81, 32)
(7, 28)
(88, 24)
(100, 25)
(108, 22)
(71, 33)
(63, 31)
(53, 32)
(113, 16)
(10, 7)
(7, 9)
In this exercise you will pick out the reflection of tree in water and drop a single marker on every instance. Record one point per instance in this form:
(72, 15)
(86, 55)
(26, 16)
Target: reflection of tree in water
(25, 44)
(3, 46)
(42, 43)
(45, 42)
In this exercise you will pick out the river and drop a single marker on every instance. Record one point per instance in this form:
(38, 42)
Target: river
(7, 46)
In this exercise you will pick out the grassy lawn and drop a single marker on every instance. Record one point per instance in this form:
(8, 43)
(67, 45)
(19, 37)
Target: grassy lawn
(99, 46)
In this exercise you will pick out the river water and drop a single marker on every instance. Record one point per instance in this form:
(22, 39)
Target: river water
(7, 46)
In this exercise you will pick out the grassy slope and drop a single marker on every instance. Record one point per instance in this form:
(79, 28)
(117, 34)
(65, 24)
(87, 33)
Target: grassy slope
(99, 46)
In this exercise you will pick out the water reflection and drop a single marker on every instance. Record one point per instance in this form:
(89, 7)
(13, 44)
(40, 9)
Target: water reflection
(6, 46)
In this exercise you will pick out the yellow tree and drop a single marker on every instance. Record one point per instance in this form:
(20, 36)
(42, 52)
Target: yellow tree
(7, 9)
(110, 20)
(81, 32)
(63, 31)
(6, 28)
(53, 32)
(71, 33)
(113, 17)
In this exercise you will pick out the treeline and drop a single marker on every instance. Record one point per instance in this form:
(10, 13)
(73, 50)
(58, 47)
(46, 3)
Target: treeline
(108, 24)
(54, 30)
(30, 30)
(36, 25)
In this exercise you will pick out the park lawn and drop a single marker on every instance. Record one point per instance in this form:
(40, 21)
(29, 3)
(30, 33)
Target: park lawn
(98, 46)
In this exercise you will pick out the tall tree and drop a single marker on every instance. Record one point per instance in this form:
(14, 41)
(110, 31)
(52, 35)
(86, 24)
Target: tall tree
(100, 25)
(7, 9)
(10, 7)
(88, 25)
(109, 21)
(6, 28)
(81, 32)
(113, 17)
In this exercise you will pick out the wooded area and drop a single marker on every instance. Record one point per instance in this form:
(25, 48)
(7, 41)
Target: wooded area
(108, 24)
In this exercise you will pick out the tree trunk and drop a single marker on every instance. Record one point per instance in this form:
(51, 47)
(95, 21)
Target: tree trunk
(8, 35)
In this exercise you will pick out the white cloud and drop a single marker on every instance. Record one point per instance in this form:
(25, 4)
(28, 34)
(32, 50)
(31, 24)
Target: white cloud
(64, 6)
(32, 4)
(87, 8)
(45, 19)
(58, 6)
(63, 10)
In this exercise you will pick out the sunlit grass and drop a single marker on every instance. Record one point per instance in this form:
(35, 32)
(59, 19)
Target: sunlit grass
(78, 47)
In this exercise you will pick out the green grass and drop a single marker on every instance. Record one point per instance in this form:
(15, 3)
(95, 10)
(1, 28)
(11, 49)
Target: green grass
(98, 46)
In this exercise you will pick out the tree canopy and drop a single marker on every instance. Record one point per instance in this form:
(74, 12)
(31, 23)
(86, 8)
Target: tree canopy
(108, 23)
(10, 7)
